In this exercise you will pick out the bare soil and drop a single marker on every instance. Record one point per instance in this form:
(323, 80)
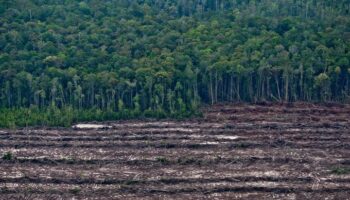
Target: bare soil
(236, 151)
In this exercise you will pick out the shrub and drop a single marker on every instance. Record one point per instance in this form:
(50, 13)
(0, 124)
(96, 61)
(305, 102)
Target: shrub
(341, 170)
(75, 190)
(162, 160)
(7, 156)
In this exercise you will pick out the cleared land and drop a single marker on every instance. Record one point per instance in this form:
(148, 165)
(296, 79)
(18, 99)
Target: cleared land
(299, 151)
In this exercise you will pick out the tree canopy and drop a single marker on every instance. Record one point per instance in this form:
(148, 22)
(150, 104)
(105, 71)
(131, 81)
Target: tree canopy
(127, 58)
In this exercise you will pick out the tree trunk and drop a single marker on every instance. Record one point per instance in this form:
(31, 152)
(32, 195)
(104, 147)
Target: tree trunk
(216, 87)
(238, 89)
(231, 88)
(286, 89)
(278, 88)
(211, 89)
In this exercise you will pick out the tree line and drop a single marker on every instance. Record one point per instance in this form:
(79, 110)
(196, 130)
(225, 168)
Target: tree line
(122, 59)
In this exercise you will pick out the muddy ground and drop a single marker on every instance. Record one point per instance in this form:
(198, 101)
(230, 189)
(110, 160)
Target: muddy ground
(294, 151)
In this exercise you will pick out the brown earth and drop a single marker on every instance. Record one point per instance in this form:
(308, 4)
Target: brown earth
(237, 151)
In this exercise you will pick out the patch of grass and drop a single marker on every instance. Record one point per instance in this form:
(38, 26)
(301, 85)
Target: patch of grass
(341, 170)
(217, 159)
(69, 160)
(131, 182)
(7, 156)
(188, 161)
(162, 160)
(53, 116)
(75, 190)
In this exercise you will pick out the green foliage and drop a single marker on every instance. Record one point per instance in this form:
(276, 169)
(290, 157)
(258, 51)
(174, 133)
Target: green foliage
(341, 170)
(7, 156)
(65, 117)
(321, 80)
(120, 105)
(162, 160)
(62, 62)
(75, 190)
(322, 85)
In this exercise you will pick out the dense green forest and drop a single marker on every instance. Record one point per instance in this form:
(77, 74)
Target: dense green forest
(63, 61)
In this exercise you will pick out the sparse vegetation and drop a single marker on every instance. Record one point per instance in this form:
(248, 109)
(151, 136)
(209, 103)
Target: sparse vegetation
(7, 156)
(341, 170)
(162, 159)
(75, 190)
